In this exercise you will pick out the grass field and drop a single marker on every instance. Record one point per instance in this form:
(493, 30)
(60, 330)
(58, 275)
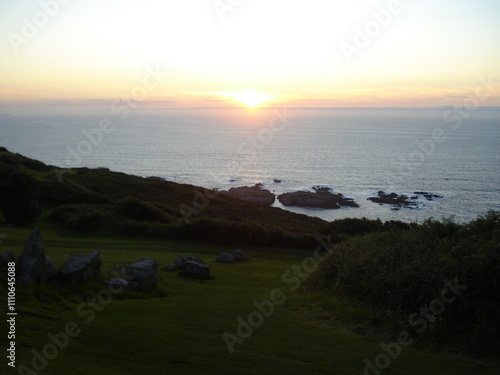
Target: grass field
(179, 330)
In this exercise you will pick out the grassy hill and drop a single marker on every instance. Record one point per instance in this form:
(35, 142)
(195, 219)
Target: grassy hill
(102, 202)
(337, 316)
(179, 329)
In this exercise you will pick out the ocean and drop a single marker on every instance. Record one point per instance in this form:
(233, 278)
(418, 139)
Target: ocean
(356, 152)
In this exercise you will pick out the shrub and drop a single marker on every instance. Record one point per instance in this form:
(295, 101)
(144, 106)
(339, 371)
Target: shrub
(403, 271)
(355, 226)
(9, 160)
(35, 165)
(137, 209)
(18, 197)
(85, 218)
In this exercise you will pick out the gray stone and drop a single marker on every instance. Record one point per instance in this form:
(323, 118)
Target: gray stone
(6, 258)
(80, 268)
(31, 264)
(194, 259)
(144, 271)
(50, 268)
(195, 270)
(240, 256)
(116, 285)
(225, 258)
(170, 268)
(181, 259)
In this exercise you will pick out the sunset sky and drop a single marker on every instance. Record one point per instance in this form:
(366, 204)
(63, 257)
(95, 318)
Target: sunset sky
(88, 54)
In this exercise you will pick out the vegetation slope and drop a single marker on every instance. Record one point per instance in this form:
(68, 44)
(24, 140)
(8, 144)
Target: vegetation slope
(375, 278)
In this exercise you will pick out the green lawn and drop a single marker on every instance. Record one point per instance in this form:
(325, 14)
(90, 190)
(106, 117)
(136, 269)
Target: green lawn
(180, 331)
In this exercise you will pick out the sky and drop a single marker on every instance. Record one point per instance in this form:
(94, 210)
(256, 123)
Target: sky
(91, 54)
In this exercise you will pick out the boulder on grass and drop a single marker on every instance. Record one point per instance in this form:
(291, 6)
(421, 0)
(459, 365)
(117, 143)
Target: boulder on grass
(116, 285)
(225, 258)
(144, 271)
(31, 264)
(50, 268)
(80, 268)
(195, 270)
(170, 268)
(194, 259)
(240, 256)
(181, 259)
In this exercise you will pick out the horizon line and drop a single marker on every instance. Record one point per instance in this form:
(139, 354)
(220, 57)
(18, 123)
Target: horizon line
(6, 114)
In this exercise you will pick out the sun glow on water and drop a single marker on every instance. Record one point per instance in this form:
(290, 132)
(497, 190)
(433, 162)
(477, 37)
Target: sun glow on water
(251, 98)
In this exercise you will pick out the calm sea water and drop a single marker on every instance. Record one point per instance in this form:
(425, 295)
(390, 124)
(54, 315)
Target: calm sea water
(356, 152)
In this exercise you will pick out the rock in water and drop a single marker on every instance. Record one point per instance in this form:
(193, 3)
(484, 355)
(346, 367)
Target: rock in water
(31, 264)
(321, 198)
(254, 194)
(240, 256)
(195, 270)
(80, 268)
(144, 271)
(225, 258)
(394, 199)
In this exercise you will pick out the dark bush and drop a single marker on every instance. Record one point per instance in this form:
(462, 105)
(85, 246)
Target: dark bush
(403, 271)
(137, 209)
(355, 226)
(67, 193)
(9, 160)
(36, 165)
(18, 197)
(85, 218)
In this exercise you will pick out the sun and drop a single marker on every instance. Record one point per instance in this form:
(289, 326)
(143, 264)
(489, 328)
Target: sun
(251, 98)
